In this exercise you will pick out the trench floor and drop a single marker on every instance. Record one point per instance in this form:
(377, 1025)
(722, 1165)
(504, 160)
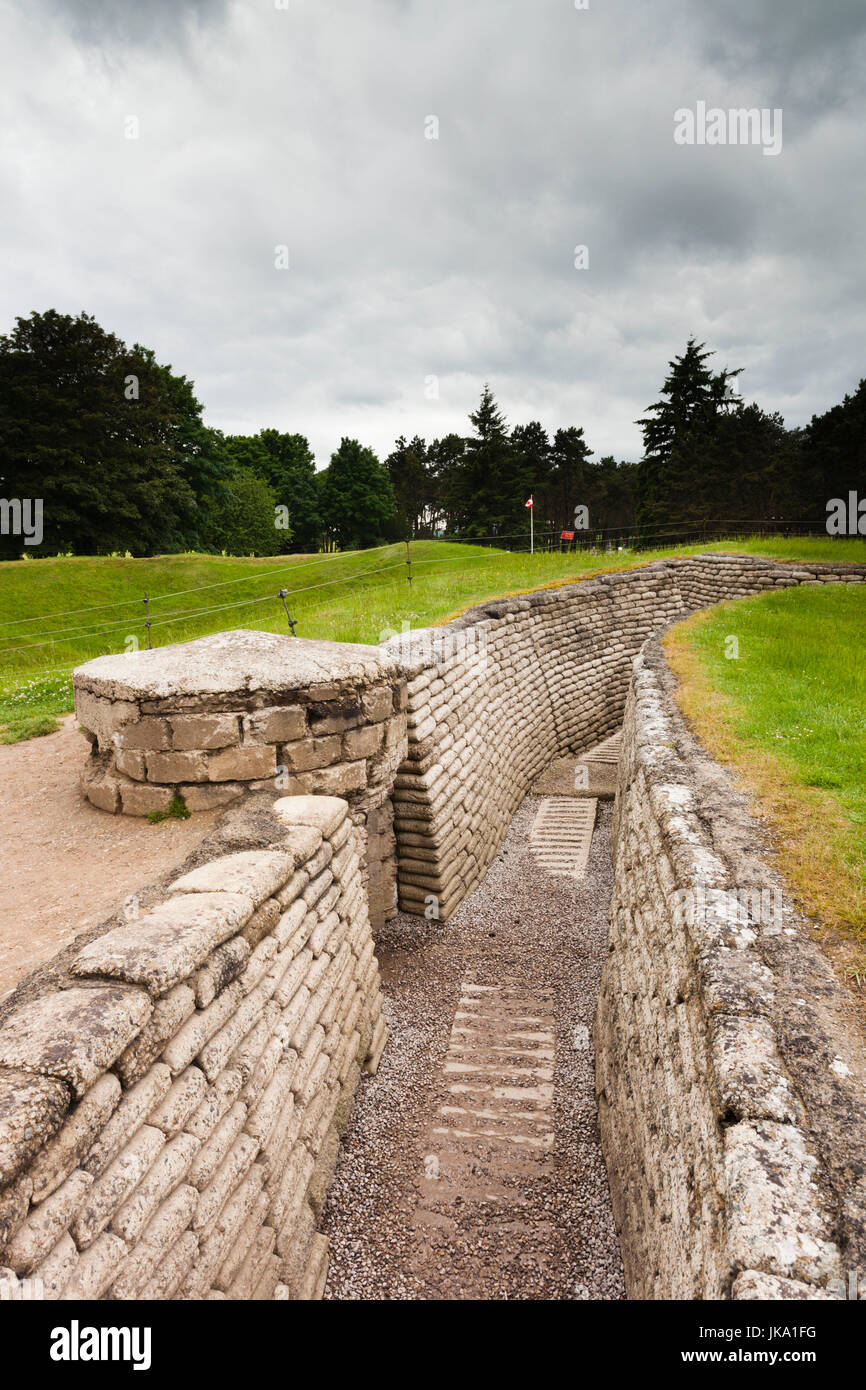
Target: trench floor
(471, 1168)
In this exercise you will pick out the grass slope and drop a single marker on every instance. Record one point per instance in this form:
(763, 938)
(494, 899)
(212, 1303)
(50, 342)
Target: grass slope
(789, 714)
(56, 613)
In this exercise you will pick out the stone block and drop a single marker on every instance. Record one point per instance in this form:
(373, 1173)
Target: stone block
(131, 764)
(340, 780)
(775, 1218)
(157, 1239)
(148, 734)
(60, 1155)
(140, 798)
(362, 743)
(73, 1035)
(112, 1188)
(210, 796)
(47, 1223)
(279, 724)
(219, 1099)
(14, 1206)
(196, 1032)
(228, 1176)
(103, 717)
(169, 1014)
(56, 1269)
(242, 764)
(95, 1269)
(165, 1174)
(178, 1104)
(752, 1285)
(222, 967)
(335, 717)
(257, 874)
(209, 1159)
(127, 1119)
(310, 753)
(172, 1269)
(101, 789)
(192, 732)
(165, 945)
(32, 1109)
(378, 704)
(263, 921)
(177, 767)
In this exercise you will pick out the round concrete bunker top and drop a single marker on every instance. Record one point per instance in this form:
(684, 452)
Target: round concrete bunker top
(229, 662)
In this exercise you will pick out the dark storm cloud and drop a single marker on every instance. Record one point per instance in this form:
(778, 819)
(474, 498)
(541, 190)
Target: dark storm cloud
(451, 258)
(117, 23)
(813, 47)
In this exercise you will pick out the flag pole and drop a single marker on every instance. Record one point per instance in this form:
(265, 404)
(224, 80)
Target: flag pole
(532, 530)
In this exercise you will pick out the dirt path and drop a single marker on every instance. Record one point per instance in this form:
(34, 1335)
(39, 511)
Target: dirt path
(63, 864)
(472, 1168)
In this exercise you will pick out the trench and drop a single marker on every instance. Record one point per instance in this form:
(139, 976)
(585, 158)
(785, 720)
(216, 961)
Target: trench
(471, 1167)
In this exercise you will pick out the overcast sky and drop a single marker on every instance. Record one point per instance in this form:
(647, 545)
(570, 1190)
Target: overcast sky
(453, 258)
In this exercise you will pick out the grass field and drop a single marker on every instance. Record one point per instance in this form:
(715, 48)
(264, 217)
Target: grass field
(56, 613)
(789, 714)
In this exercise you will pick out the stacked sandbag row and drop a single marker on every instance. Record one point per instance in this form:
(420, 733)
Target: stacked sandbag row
(716, 1179)
(170, 1119)
(496, 695)
(479, 720)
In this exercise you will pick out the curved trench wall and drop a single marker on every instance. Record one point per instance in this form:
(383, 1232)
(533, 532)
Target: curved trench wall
(732, 1092)
(171, 1096)
(172, 1089)
(497, 695)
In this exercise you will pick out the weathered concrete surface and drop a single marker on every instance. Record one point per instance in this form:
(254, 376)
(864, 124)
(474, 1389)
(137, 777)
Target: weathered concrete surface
(229, 663)
(731, 1076)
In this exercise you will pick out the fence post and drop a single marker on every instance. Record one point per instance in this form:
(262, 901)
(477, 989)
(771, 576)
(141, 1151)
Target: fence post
(292, 623)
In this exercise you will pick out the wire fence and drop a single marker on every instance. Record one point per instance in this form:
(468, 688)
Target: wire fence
(546, 541)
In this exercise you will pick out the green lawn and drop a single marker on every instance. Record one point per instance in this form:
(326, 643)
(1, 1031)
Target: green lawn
(789, 712)
(53, 613)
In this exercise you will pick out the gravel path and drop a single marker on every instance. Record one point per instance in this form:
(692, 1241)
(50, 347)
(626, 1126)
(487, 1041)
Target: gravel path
(451, 1190)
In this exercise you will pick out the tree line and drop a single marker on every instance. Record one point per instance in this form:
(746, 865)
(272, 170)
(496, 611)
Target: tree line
(114, 444)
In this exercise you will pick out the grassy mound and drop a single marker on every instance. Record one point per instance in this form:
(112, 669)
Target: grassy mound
(56, 613)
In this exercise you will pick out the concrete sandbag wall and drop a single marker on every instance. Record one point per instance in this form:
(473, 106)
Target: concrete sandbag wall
(496, 695)
(170, 1107)
(732, 1103)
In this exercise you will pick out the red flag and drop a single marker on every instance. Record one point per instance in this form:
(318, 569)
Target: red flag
(530, 503)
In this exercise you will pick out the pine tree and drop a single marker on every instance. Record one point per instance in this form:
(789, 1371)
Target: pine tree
(570, 476)
(487, 469)
(676, 430)
(530, 474)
